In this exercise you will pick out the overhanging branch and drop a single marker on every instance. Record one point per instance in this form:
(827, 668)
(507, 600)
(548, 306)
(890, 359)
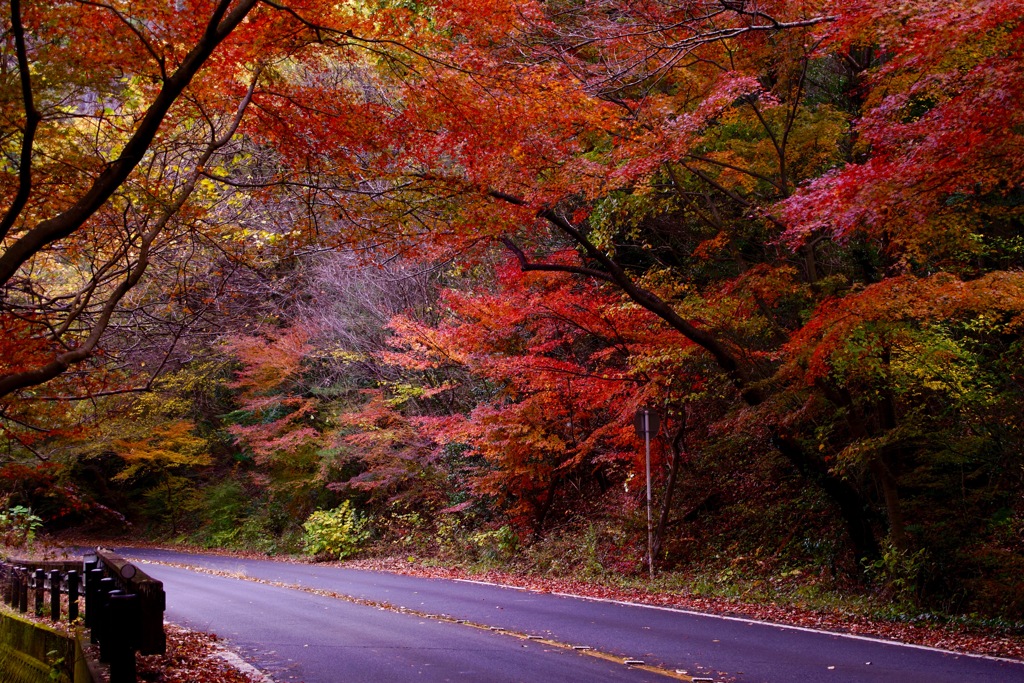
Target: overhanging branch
(32, 119)
(222, 23)
(725, 358)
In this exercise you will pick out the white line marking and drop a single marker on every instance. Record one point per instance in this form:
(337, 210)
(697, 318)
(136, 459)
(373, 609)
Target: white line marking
(489, 583)
(757, 622)
(234, 660)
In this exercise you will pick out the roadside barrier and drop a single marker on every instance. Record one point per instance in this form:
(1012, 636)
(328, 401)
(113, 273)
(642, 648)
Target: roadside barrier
(19, 577)
(124, 608)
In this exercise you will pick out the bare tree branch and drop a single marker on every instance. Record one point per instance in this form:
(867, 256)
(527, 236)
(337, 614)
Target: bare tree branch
(19, 380)
(32, 119)
(221, 24)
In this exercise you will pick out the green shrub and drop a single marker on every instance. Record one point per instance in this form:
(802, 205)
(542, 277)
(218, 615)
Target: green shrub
(898, 572)
(224, 506)
(335, 534)
(498, 545)
(18, 526)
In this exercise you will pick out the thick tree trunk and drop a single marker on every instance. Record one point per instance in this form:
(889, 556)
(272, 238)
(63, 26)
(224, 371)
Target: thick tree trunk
(852, 506)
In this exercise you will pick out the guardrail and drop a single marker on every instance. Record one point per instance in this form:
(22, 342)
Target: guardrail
(18, 577)
(124, 608)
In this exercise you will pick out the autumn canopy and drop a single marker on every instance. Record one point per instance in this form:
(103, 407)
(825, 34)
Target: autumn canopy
(263, 257)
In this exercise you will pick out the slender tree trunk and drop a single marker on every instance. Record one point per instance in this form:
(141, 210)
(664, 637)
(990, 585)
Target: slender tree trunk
(893, 508)
(881, 465)
(171, 507)
(670, 486)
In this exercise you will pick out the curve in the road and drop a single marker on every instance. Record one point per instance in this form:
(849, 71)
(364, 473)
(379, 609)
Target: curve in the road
(300, 636)
(586, 650)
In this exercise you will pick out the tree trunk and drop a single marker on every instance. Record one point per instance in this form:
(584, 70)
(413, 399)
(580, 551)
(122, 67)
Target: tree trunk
(851, 504)
(880, 465)
(893, 509)
(670, 485)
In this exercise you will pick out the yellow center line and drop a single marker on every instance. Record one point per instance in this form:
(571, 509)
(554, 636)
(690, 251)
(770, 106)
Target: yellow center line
(590, 652)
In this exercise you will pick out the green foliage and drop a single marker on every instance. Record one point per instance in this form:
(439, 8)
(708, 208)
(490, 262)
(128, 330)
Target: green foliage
(232, 515)
(409, 531)
(265, 535)
(18, 526)
(170, 504)
(58, 666)
(898, 572)
(336, 534)
(224, 506)
(495, 545)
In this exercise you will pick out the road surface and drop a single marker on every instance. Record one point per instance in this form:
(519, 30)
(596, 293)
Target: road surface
(279, 629)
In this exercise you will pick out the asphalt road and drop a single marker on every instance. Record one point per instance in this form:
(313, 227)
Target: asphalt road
(294, 634)
(298, 636)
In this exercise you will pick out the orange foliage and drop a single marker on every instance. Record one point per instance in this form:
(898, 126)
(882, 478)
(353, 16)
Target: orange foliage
(568, 366)
(941, 298)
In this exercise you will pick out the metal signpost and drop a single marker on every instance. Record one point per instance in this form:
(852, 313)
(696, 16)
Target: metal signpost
(647, 423)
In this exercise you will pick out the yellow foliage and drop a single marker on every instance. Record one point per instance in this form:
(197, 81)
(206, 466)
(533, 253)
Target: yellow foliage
(171, 445)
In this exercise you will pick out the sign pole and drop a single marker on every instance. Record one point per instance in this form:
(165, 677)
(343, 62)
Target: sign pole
(650, 529)
(647, 422)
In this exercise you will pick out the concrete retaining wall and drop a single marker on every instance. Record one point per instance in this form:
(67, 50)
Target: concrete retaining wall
(33, 653)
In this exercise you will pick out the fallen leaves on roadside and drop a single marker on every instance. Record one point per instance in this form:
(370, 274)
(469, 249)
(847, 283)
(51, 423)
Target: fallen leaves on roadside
(955, 638)
(192, 657)
(952, 638)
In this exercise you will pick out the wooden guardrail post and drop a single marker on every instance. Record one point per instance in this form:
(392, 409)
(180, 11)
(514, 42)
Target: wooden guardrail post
(92, 608)
(101, 622)
(22, 590)
(38, 586)
(15, 588)
(122, 615)
(89, 566)
(72, 595)
(9, 584)
(54, 595)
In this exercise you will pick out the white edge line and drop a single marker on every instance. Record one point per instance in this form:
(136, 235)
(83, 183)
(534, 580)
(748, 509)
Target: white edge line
(490, 583)
(758, 622)
(234, 660)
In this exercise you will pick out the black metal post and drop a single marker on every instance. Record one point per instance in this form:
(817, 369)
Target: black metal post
(55, 595)
(72, 595)
(123, 613)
